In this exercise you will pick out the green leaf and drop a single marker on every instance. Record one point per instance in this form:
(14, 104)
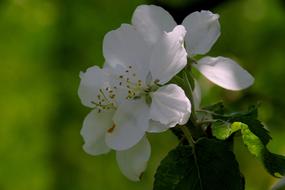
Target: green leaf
(254, 125)
(223, 130)
(248, 117)
(209, 165)
(217, 108)
(252, 142)
(274, 163)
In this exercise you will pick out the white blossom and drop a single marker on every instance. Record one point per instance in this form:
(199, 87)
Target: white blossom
(203, 30)
(129, 95)
(142, 69)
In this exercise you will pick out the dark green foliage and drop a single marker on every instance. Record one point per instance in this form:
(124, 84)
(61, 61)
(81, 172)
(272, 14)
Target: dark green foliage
(209, 165)
(217, 108)
(274, 163)
(254, 135)
(248, 117)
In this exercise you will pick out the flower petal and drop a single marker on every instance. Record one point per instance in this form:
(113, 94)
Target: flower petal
(132, 162)
(93, 132)
(203, 30)
(224, 72)
(125, 50)
(169, 55)
(156, 127)
(92, 81)
(151, 21)
(170, 106)
(131, 120)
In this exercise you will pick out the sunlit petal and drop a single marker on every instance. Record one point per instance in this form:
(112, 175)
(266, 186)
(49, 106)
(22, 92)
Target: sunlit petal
(132, 162)
(169, 55)
(131, 120)
(170, 106)
(126, 52)
(151, 21)
(156, 127)
(93, 132)
(203, 30)
(92, 81)
(224, 72)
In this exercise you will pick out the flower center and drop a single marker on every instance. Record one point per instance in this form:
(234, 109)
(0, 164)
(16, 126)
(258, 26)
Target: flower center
(105, 99)
(131, 83)
(135, 87)
(128, 86)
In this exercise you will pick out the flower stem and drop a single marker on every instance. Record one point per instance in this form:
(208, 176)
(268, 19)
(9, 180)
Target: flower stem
(187, 134)
(194, 128)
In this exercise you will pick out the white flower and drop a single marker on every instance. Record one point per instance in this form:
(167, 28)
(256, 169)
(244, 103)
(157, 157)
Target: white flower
(203, 29)
(129, 96)
(132, 162)
(139, 70)
(106, 119)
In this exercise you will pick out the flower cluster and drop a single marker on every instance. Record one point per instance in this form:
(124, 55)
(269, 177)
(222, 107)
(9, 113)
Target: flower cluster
(133, 93)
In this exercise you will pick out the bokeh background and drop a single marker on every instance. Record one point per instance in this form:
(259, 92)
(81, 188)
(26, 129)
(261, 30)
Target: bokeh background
(44, 44)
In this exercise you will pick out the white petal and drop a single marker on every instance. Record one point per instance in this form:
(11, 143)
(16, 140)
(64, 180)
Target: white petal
(169, 55)
(156, 127)
(170, 106)
(91, 81)
(132, 162)
(225, 73)
(124, 49)
(131, 121)
(197, 95)
(93, 132)
(151, 21)
(203, 30)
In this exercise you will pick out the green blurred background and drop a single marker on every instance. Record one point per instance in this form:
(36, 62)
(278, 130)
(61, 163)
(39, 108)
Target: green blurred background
(44, 44)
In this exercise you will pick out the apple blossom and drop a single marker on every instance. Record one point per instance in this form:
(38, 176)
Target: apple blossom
(129, 96)
(95, 92)
(140, 71)
(203, 30)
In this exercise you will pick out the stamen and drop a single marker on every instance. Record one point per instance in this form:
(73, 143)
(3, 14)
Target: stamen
(105, 99)
(110, 130)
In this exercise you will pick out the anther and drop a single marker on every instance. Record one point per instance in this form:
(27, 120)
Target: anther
(110, 130)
